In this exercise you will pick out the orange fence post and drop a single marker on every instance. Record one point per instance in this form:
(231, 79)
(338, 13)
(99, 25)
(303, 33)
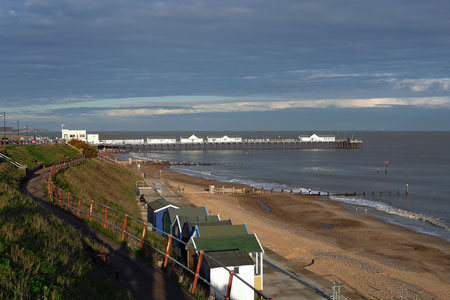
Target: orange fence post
(194, 285)
(79, 206)
(124, 227)
(60, 197)
(230, 281)
(106, 217)
(91, 210)
(68, 200)
(169, 245)
(143, 235)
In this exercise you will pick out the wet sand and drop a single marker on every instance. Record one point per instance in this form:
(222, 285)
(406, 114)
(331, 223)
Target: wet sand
(354, 249)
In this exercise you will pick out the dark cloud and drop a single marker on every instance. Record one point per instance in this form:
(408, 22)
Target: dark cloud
(65, 51)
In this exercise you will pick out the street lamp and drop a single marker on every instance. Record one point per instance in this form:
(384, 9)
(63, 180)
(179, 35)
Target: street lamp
(18, 129)
(4, 124)
(26, 127)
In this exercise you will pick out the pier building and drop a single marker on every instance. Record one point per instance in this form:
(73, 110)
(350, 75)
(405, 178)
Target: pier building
(161, 140)
(191, 140)
(316, 138)
(223, 139)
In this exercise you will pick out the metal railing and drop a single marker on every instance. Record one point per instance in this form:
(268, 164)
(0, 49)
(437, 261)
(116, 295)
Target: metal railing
(128, 228)
(8, 159)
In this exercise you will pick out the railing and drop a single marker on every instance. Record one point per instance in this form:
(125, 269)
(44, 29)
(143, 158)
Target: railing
(14, 163)
(133, 230)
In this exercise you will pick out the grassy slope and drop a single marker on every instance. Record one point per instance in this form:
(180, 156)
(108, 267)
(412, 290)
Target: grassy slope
(48, 154)
(102, 182)
(40, 258)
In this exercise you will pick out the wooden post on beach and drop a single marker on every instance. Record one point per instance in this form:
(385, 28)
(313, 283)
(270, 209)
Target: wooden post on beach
(262, 191)
(232, 190)
(223, 189)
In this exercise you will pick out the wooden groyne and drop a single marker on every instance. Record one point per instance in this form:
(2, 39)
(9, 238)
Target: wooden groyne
(247, 145)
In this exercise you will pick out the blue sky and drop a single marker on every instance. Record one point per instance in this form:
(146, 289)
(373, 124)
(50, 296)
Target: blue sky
(226, 65)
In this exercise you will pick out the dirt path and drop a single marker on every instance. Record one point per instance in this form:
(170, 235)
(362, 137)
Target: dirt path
(140, 277)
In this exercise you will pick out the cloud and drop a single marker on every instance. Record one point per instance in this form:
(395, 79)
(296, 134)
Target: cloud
(421, 85)
(267, 105)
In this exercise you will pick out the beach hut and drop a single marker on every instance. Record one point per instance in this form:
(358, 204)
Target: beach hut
(156, 210)
(248, 243)
(171, 214)
(242, 265)
(190, 227)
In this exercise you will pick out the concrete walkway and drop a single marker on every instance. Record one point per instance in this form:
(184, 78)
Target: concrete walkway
(141, 278)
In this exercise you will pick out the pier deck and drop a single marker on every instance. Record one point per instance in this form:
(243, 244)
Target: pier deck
(244, 145)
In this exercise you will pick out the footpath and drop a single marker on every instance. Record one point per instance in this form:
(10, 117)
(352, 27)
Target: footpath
(141, 278)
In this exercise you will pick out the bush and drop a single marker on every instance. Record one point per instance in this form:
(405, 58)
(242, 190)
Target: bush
(88, 150)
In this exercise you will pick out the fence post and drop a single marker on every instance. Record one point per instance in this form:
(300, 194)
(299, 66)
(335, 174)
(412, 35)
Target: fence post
(68, 200)
(143, 235)
(124, 227)
(106, 217)
(230, 282)
(79, 206)
(199, 263)
(91, 210)
(169, 245)
(60, 197)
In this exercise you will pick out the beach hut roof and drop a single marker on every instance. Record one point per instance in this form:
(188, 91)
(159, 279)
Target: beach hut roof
(207, 231)
(159, 204)
(248, 243)
(228, 258)
(198, 219)
(187, 211)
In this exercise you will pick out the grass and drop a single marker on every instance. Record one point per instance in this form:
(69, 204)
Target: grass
(40, 257)
(102, 182)
(47, 154)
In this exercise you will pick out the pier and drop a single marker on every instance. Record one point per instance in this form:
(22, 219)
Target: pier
(246, 145)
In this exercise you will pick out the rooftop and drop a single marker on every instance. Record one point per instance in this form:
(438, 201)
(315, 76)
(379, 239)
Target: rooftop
(160, 203)
(207, 231)
(229, 258)
(187, 211)
(248, 243)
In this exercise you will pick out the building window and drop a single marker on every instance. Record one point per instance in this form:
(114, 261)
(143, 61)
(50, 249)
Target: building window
(236, 270)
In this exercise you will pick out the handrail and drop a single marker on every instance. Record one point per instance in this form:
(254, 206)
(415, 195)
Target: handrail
(52, 189)
(8, 159)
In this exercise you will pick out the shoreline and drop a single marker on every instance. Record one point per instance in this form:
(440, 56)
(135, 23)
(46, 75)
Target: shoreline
(353, 248)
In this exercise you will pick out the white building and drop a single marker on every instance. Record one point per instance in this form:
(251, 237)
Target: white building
(92, 138)
(224, 139)
(316, 138)
(161, 140)
(191, 140)
(67, 134)
(242, 265)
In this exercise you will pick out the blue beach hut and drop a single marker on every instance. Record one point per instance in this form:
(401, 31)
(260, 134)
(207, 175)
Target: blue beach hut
(156, 210)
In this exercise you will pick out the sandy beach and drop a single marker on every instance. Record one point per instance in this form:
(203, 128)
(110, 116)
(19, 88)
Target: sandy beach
(328, 239)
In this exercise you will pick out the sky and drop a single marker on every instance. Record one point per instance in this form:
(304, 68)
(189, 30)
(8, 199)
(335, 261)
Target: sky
(226, 64)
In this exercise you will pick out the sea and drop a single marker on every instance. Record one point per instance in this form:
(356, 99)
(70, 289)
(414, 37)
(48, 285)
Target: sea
(420, 160)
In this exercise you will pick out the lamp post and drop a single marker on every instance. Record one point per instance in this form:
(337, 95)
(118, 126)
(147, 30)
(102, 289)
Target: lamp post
(4, 124)
(26, 127)
(18, 129)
